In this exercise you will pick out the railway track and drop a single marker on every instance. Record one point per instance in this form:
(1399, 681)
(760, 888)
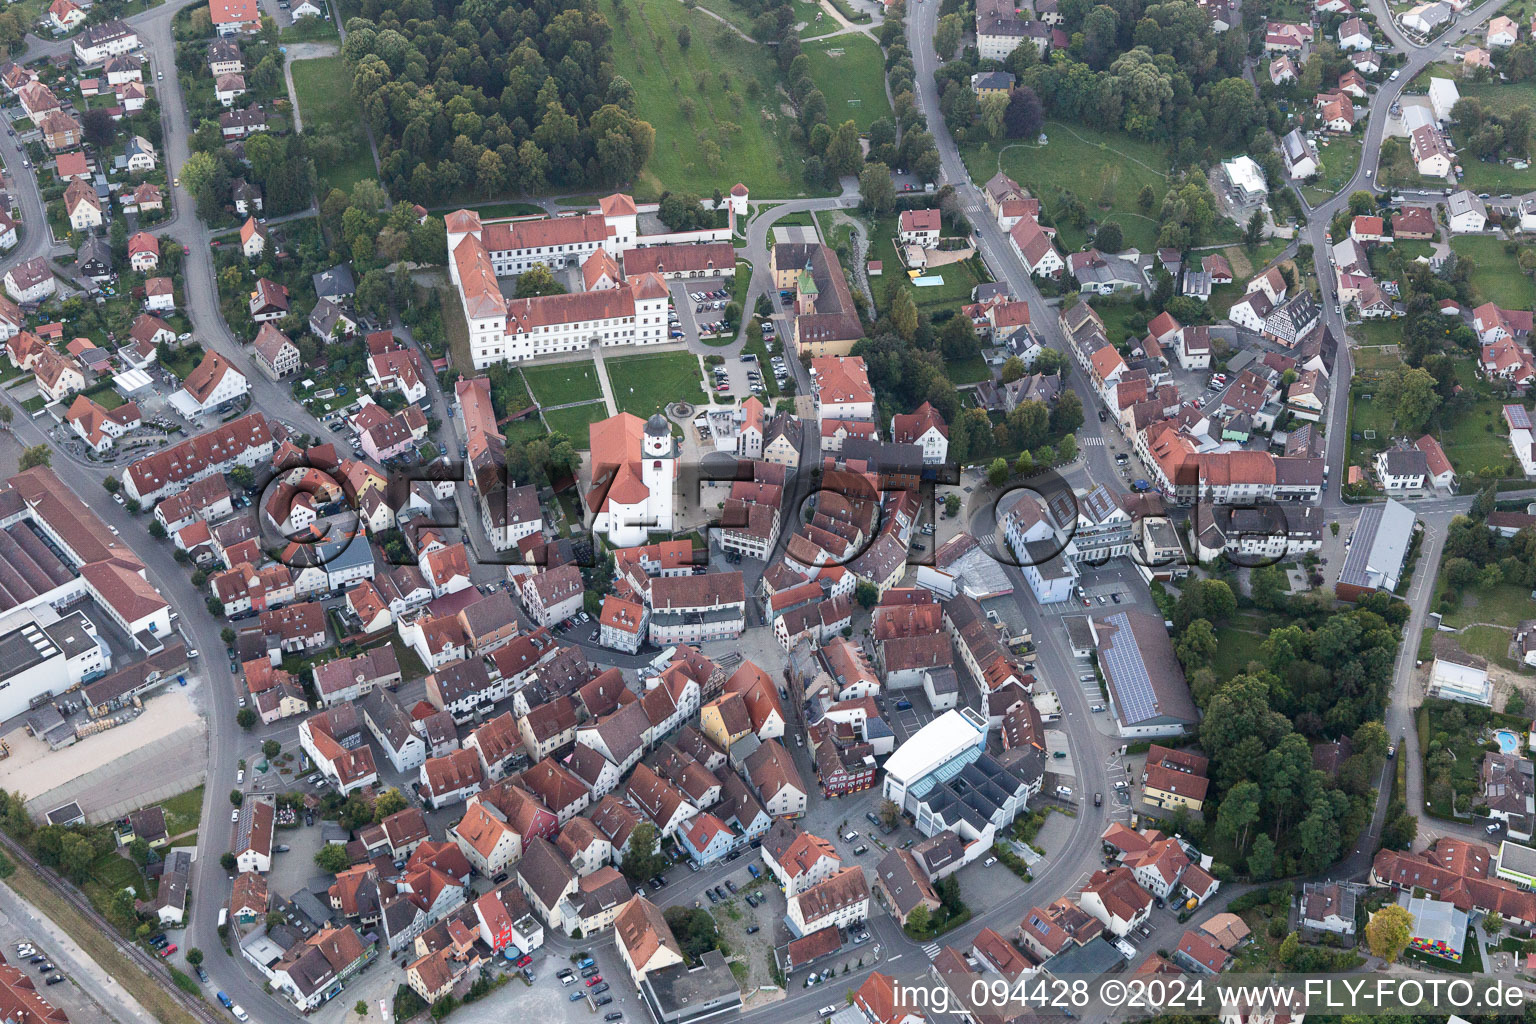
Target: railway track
(153, 966)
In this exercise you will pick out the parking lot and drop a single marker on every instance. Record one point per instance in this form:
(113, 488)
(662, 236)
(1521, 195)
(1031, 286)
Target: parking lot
(85, 991)
(698, 309)
(738, 377)
(549, 1001)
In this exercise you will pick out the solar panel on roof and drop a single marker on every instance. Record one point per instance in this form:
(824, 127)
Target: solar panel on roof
(1128, 673)
(1519, 417)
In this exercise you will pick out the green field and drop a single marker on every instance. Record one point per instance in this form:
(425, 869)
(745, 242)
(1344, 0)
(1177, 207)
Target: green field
(701, 96)
(563, 383)
(850, 72)
(1498, 278)
(1505, 605)
(1236, 646)
(1105, 170)
(1469, 442)
(573, 421)
(325, 97)
(959, 278)
(646, 384)
(1340, 158)
(104, 395)
(1373, 360)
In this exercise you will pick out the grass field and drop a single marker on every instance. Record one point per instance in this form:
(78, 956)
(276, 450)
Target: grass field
(308, 30)
(850, 72)
(1505, 605)
(1498, 277)
(959, 278)
(1236, 646)
(1469, 443)
(721, 90)
(1373, 360)
(325, 96)
(574, 421)
(1366, 415)
(183, 811)
(1340, 158)
(646, 384)
(562, 383)
(104, 395)
(523, 431)
(1120, 166)
(510, 210)
(1491, 642)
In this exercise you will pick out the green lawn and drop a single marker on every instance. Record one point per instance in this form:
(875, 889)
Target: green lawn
(959, 278)
(308, 30)
(325, 96)
(646, 384)
(1340, 158)
(1498, 277)
(562, 383)
(104, 395)
(1236, 646)
(523, 431)
(850, 71)
(967, 371)
(573, 422)
(1372, 360)
(1504, 605)
(715, 105)
(1367, 415)
(183, 811)
(1116, 314)
(1105, 170)
(511, 210)
(1469, 442)
(1491, 642)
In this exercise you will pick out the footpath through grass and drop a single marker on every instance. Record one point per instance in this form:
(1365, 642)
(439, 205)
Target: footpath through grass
(714, 105)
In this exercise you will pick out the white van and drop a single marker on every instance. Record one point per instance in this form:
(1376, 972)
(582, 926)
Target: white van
(1064, 792)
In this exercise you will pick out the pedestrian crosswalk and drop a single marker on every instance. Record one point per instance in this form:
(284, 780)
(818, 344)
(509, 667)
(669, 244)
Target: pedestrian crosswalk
(931, 950)
(1093, 441)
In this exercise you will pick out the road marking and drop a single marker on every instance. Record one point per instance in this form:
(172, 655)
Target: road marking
(931, 949)
(893, 959)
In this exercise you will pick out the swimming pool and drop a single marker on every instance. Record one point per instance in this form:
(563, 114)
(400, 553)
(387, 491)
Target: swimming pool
(1509, 743)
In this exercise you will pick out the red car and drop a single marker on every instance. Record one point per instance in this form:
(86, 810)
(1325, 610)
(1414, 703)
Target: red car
(523, 961)
(168, 950)
(596, 979)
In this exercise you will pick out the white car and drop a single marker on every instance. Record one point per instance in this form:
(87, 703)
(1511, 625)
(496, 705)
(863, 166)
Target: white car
(192, 653)
(989, 862)
(239, 1012)
(240, 776)
(234, 815)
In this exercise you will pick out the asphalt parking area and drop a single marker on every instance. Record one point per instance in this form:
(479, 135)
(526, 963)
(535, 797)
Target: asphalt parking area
(701, 304)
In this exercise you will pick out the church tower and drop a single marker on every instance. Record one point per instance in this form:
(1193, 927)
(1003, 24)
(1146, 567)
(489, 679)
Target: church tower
(659, 471)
